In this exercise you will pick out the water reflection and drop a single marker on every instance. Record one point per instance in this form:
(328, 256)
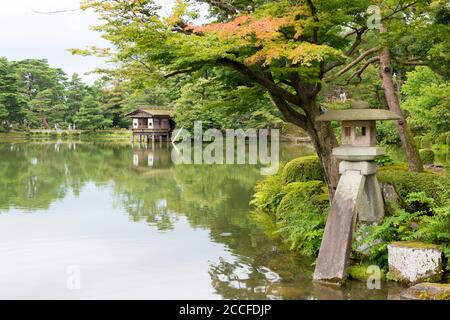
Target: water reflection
(180, 201)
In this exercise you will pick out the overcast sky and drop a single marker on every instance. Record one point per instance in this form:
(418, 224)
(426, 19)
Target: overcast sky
(27, 34)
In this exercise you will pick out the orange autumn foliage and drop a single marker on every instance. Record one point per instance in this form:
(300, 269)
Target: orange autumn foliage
(266, 34)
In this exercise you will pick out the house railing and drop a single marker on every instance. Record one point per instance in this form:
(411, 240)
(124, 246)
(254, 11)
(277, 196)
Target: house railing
(148, 130)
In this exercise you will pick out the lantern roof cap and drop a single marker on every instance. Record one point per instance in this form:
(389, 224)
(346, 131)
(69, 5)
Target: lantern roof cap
(360, 111)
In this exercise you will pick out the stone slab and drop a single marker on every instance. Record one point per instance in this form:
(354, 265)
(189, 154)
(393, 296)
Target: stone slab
(413, 262)
(352, 153)
(332, 262)
(427, 291)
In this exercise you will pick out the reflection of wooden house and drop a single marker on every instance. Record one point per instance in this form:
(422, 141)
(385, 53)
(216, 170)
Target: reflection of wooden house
(154, 157)
(152, 122)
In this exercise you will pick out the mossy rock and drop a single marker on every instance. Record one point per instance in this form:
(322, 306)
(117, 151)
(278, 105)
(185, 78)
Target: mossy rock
(427, 156)
(302, 169)
(359, 272)
(406, 182)
(427, 291)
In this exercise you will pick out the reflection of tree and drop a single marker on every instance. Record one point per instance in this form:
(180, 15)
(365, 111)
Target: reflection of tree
(214, 198)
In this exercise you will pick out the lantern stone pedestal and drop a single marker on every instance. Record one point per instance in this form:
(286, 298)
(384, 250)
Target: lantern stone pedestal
(358, 194)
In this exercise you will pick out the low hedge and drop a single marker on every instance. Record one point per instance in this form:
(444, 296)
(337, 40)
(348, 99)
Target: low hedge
(407, 182)
(427, 156)
(302, 169)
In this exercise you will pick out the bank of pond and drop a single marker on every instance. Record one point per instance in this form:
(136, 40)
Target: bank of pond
(293, 206)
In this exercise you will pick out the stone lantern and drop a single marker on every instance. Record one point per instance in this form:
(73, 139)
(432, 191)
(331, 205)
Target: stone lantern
(358, 195)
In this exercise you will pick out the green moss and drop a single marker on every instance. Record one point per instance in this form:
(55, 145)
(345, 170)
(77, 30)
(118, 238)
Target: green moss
(401, 166)
(407, 182)
(427, 156)
(302, 169)
(415, 245)
(359, 272)
(394, 275)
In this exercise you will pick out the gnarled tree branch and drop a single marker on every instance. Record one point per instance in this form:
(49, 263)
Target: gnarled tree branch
(359, 72)
(289, 114)
(356, 61)
(261, 79)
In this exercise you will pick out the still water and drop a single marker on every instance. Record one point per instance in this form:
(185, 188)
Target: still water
(109, 221)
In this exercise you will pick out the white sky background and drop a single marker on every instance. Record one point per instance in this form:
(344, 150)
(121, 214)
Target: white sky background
(25, 34)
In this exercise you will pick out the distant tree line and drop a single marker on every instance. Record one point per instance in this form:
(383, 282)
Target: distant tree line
(34, 95)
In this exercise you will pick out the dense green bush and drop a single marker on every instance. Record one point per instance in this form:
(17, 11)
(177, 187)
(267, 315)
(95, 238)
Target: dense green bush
(387, 133)
(427, 141)
(268, 194)
(408, 182)
(443, 138)
(302, 169)
(418, 141)
(293, 211)
(300, 215)
(427, 156)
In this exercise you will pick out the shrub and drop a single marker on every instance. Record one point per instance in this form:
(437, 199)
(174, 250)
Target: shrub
(300, 218)
(268, 194)
(387, 133)
(384, 160)
(443, 138)
(302, 169)
(408, 182)
(418, 141)
(427, 156)
(426, 142)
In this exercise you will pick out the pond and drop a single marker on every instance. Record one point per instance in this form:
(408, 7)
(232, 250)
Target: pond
(83, 220)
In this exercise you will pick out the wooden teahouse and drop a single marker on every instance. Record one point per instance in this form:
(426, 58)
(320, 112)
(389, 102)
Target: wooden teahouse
(152, 123)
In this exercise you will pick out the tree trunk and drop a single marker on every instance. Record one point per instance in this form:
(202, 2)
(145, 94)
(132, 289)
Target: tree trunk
(412, 154)
(324, 140)
(44, 121)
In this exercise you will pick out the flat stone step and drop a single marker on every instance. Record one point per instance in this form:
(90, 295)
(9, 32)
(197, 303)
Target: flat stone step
(427, 291)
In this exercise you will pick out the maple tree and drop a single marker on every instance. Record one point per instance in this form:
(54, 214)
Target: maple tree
(290, 48)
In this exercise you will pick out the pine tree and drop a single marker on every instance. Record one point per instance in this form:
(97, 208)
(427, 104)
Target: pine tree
(90, 116)
(11, 100)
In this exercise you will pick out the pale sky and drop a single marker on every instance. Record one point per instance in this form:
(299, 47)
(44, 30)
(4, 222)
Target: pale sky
(27, 34)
